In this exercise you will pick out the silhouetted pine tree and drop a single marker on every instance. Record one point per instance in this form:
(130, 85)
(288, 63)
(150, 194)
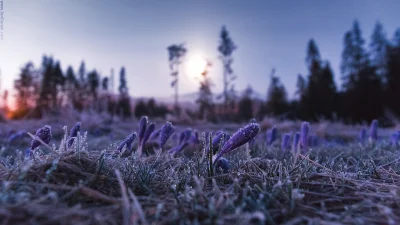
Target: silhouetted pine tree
(363, 95)
(226, 48)
(59, 89)
(82, 73)
(318, 97)
(277, 102)
(301, 85)
(298, 106)
(205, 99)
(94, 83)
(72, 86)
(5, 101)
(26, 87)
(392, 94)
(246, 105)
(47, 84)
(378, 50)
(81, 100)
(176, 54)
(124, 99)
(104, 84)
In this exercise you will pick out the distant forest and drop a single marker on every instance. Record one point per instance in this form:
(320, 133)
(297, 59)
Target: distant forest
(370, 74)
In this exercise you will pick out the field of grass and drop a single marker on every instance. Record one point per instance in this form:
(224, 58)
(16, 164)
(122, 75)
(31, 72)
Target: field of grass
(334, 182)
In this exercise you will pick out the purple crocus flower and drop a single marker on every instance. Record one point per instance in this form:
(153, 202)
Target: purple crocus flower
(177, 149)
(127, 142)
(194, 139)
(181, 137)
(241, 137)
(271, 135)
(216, 141)
(226, 138)
(394, 138)
(373, 131)
(142, 128)
(155, 134)
(363, 135)
(147, 134)
(185, 135)
(285, 141)
(305, 128)
(166, 131)
(296, 141)
(223, 164)
(43, 134)
(73, 133)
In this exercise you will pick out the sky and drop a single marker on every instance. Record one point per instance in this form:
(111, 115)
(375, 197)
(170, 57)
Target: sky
(135, 33)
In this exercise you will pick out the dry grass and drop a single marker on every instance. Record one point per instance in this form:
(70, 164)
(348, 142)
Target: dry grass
(349, 184)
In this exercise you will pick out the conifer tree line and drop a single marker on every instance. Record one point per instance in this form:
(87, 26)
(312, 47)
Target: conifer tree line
(48, 89)
(369, 71)
(370, 75)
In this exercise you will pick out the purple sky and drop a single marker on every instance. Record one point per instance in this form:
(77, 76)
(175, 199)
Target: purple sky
(135, 34)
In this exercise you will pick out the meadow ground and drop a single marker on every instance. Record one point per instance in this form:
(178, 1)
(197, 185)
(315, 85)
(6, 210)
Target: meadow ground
(334, 183)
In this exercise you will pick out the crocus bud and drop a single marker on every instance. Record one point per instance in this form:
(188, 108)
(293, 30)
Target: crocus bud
(73, 133)
(147, 134)
(155, 134)
(216, 142)
(285, 141)
(194, 139)
(373, 131)
(43, 134)
(271, 135)
(142, 127)
(127, 142)
(305, 128)
(394, 138)
(363, 135)
(166, 132)
(223, 164)
(241, 137)
(181, 137)
(296, 141)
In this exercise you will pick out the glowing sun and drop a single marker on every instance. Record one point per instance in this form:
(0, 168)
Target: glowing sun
(195, 66)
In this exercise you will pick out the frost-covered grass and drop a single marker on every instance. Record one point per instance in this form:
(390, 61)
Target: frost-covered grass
(331, 184)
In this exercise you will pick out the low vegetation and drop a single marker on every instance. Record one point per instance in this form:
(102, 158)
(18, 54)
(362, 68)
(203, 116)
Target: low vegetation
(261, 182)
